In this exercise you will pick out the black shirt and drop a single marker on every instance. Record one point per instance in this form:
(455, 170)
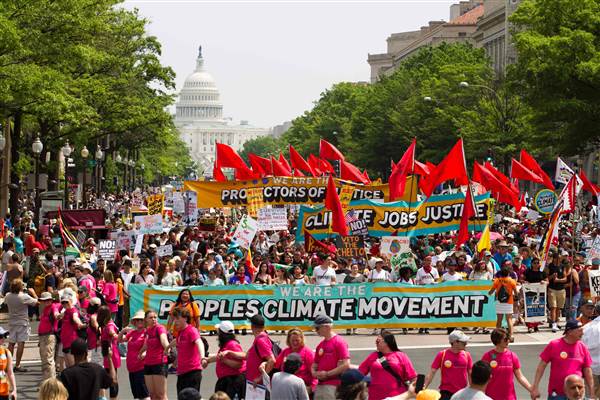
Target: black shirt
(559, 270)
(532, 276)
(84, 381)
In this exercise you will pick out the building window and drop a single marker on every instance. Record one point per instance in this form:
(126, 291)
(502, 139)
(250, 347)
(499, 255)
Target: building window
(462, 34)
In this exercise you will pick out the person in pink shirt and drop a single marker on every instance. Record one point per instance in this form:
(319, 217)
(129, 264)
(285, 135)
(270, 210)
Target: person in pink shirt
(110, 293)
(567, 356)
(505, 364)
(260, 352)
(231, 362)
(135, 338)
(295, 342)
(83, 273)
(455, 364)
(70, 324)
(332, 358)
(110, 347)
(46, 331)
(390, 368)
(190, 351)
(153, 354)
(83, 297)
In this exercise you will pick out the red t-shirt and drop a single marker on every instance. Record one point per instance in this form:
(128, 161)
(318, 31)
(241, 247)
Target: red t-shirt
(68, 331)
(565, 359)
(501, 385)
(383, 384)
(188, 356)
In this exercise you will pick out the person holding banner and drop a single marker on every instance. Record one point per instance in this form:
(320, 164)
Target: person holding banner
(153, 354)
(184, 301)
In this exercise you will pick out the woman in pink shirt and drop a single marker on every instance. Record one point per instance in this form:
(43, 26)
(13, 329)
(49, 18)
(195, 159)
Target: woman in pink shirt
(231, 362)
(110, 293)
(155, 360)
(295, 342)
(70, 324)
(110, 348)
(190, 351)
(505, 364)
(390, 368)
(135, 338)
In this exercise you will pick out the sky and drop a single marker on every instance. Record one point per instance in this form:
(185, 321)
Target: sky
(271, 59)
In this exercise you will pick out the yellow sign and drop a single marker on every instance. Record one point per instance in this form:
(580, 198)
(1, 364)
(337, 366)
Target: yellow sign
(155, 204)
(255, 201)
(286, 190)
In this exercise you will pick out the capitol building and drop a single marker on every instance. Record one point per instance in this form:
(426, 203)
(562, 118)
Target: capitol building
(199, 119)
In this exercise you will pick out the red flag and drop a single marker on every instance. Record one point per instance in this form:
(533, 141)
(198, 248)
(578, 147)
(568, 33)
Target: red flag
(298, 173)
(284, 162)
(329, 151)
(260, 165)
(332, 202)
(245, 174)
(422, 169)
(491, 181)
(314, 164)
(467, 212)
(587, 185)
(405, 166)
(349, 172)
(218, 173)
(366, 176)
(299, 163)
(312, 245)
(519, 171)
(529, 162)
(453, 166)
(228, 157)
(279, 169)
(511, 184)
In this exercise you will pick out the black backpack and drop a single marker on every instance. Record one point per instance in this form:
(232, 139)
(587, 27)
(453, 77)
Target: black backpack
(503, 294)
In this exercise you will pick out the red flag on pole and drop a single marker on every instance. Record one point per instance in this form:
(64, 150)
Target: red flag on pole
(284, 162)
(366, 176)
(299, 163)
(260, 165)
(332, 202)
(587, 185)
(503, 193)
(329, 151)
(279, 169)
(467, 212)
(519, 171)
(405, 166)
(453, 166)
(227, 157)
(528, 161)
(349, 172)
(218, 173)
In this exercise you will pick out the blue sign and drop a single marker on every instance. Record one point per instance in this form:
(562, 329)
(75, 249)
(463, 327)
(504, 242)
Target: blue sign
(545, 200)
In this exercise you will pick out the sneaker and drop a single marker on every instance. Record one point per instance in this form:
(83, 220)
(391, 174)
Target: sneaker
(348, 331)
(375, 332)
(536, 329)
(172, 370)
(554, 328)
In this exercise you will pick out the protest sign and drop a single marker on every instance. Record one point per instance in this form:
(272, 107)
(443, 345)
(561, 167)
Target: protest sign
(272, 219)
(392, 245)
(190, 213)
(350, 246)
(155, 204)
(149, 224)
(594, 250)
(138, 244)
(563, 173)
(286, 190)
(107, 248)
(124, 239)
(544, 201)
(438, 214)
(165, 250)
(345, 196)
(80, 236)
(594, 276)
(357, 226)
(178, 203)
(135, 266)
(255, 201)
(366, 305)
(244, 233)
(535, 301)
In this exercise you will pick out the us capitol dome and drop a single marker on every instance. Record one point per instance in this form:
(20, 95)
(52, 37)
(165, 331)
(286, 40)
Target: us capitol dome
(199, 119)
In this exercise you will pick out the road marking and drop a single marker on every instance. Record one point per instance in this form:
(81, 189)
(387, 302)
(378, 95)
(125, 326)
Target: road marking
(443, 346)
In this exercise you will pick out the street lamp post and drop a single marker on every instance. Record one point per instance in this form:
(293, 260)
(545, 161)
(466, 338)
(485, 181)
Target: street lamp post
(84, 155)
(99, 154)
(142, 166)
(66, 150)
(132, 174)
(125, 182)
(118, 160)
(37, 146)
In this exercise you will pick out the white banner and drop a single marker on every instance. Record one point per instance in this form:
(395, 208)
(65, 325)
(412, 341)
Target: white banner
(272, 219)
(563, 172)
(534, 295)
(178, 203)
(190, 214)
(392, 245)
(245, 232)
(149, 224)
(594, 275)
(138, 244)
(165, 250)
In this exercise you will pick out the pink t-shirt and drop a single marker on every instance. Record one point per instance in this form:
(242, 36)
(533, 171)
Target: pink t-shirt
(328, 354)
(383, 384)
(308, 357)
(225, 370)
(107, 335)
(135, 341)
(46, 327)
(68, 331)
(565, 359)
(84, 303)
(155, 354)
(110, 295)
(89, 282)
(188, 356)
(501, 385)
(92, 338)
(262, 343)
(455, 369)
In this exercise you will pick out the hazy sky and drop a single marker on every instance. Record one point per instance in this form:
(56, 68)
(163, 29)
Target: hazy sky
(272, 59)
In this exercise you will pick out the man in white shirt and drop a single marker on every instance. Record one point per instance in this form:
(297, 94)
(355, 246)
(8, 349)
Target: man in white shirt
(427, 275)
(451, 274)
(324, 274)
(591, 338)
(378, 274)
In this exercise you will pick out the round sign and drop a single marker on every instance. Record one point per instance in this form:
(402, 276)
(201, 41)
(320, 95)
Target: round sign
(493, 363)
(544, 201)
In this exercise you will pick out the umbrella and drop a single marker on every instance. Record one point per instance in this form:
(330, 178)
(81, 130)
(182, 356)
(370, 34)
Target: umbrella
(493, 236)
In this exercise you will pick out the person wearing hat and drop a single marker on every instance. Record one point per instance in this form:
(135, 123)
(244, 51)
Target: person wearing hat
(503, 253)
(135, 337)
(83, 273)
(587, 312)
(8, 385)
(230, 362)
(71, 323)
(47, 329)
(566, 355)
(591, 338)
(353, 385)
(260, 356)
(455, 364)
(332, 358)
(378, 274)
(285, 384)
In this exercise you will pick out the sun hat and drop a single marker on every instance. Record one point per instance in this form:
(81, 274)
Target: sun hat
(139, 315)
(458, 336)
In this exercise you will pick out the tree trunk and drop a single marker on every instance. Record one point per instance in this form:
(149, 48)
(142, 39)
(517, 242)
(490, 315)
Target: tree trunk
(15, 192)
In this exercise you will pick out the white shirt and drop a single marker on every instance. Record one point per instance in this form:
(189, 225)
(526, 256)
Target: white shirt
(447, 277)
(381, 276)
(427, 278)
(323, 277)
(126, 279)
(170, 279)
(591, 338)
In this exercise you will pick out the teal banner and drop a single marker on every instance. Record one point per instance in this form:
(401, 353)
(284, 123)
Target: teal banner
(363, 305)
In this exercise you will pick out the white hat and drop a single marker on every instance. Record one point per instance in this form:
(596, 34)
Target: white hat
(458, 336)
(152, 246)
(3, 332)
(95, 301)
(45, 296)
(139, 315)
(225, 327)
(66, 297)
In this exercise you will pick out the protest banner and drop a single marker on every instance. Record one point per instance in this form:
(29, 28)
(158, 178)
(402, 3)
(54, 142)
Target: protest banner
(190, 212)
(178, 203)
(124, 239)
(392, 245)
(272, 219)
(107, 248)
(287, 190)
(350, 246)
(438, 214)
(311, 245)
(594, 276)
(149, 224)
(244, 233)
(155, 204)
(166, 250)
(255, 201)
(366, 305)
(357, 226)
(535, 301)
(139, 241)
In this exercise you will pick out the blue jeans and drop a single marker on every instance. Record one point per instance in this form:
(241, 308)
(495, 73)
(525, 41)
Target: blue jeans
(572, 307)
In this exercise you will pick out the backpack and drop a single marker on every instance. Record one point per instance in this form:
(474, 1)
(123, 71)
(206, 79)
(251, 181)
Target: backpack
(39, 283)
(85, 319)
(275, 348)
(503, 294)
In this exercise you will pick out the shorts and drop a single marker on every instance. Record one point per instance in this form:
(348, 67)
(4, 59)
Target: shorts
(158, 369)
(18, 333)
(325, 392)
(138, 385)
(191, 379)
(557, 298)
(232, 385)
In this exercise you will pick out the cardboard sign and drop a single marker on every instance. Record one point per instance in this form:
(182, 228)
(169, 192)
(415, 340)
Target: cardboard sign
(272, 219)
(392, 245)
(80, 236)
(165, 250)
(155, 204)
(245, 232)
(149, 224)
(535, 301)
(594, 282)
(350, 246)
(107, 248)
(190, 213)
(255, 201)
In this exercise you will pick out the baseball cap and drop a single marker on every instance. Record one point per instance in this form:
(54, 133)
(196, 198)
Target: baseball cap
(353, 376)
(322, 320)
(257, 320)
(152, 246)
(65, 297)
(488, 253)
(458, 336)
(572, 324)
(3, 333)
(293, 358)
(588, 303)
(225, 327)
(95, 301)
(139, 315)
(219, 259)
